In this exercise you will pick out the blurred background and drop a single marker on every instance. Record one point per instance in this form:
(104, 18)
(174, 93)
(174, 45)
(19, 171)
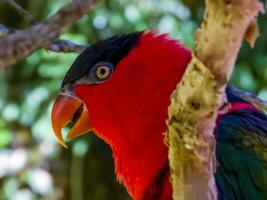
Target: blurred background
(33, 166)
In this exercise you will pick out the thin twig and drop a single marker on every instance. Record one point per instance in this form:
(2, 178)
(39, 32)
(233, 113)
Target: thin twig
(59, 46)
(24, 13)
(22, 43)
(66, 46)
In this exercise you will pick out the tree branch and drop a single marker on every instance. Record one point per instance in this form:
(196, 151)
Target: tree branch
(22, 43)
(29, 18)
(59, 46)
(195, 102)
(4, 31)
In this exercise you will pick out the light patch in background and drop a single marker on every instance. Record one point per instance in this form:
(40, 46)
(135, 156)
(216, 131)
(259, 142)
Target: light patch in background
(80, 148)
(41, 181)
(100, 22)
(17, 160)
(179, 10)
(4, 158)
(12, 161)
(49, 149)
(116, 21)
(132, 13)
(243, 79)
(24, 194)
(36, 96)
(167, 24)
(11, 187)
(11, 112)
(42, 128)
(263, 94)
(32, 103)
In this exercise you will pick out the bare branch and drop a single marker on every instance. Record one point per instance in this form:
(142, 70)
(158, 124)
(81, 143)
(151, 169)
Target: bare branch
(22, 43)
(29, 18)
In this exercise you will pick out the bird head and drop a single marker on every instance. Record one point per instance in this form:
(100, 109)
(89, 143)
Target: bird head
(120, 88)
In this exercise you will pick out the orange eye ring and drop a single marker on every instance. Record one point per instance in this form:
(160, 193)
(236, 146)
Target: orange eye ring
(103, 72)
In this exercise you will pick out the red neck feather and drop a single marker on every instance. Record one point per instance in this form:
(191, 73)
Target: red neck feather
(129, 110)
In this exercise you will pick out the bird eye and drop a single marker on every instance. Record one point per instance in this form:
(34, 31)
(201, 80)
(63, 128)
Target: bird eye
(103, 72)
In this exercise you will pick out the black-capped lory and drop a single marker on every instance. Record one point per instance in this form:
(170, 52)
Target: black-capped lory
(120, 88)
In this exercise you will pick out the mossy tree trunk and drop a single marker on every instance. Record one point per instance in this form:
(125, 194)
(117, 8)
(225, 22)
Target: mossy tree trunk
(200, 93)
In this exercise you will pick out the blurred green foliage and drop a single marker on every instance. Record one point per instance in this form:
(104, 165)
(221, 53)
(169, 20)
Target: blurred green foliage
(32, 164)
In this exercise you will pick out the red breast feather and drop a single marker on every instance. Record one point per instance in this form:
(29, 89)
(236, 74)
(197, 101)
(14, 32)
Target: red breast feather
(129, 110)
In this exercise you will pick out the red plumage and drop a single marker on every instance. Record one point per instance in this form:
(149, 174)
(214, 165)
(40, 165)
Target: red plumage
(129, 112)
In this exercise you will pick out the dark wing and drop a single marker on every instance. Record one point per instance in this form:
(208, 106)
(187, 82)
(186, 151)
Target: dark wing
(241, 152)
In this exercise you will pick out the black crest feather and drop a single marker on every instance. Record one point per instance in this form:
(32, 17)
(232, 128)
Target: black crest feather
(110, 50)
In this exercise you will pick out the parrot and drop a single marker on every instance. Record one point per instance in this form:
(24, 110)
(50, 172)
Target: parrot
(120, 89)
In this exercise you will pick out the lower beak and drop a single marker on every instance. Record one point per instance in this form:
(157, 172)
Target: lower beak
(68, 109)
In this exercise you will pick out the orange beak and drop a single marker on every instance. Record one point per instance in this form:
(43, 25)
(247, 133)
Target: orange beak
(68, 109)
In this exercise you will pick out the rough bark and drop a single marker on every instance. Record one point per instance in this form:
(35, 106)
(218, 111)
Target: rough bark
(200, 93)
(21, 43)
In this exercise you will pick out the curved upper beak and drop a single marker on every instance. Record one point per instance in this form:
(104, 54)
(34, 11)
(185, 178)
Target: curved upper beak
(68, 109)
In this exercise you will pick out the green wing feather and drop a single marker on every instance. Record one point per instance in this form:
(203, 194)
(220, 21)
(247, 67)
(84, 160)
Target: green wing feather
(241, 153)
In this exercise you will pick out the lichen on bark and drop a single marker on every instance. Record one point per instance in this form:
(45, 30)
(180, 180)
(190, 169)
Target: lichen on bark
(188, 151)
(194, 103)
